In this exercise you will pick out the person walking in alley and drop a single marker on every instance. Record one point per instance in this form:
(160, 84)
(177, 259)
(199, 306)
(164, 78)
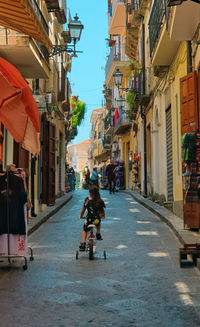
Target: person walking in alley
(95, 211)
(87, 175)
(95, 177)
(110, 175)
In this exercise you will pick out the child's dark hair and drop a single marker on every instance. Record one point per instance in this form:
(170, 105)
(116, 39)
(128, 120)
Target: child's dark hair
(94, 192)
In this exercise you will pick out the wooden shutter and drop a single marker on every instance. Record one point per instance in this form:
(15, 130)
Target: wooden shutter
(21, 157)
(170, 195)
(189, 112)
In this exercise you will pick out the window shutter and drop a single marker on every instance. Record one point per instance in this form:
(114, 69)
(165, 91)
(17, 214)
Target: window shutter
(189, 116)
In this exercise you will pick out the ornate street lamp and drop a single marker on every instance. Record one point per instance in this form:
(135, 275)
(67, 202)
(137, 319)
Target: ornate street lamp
(179, 2)
(118, 78)
(118, 81)
(75, 30)
(120, 102)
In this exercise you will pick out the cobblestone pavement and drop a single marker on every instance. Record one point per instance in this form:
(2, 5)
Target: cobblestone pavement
(139, 285)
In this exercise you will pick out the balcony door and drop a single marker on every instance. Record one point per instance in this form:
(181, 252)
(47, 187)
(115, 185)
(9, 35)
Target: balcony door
(48, 162)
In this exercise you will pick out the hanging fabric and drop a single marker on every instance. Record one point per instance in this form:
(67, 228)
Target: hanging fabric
(13, 214)
(16, 198)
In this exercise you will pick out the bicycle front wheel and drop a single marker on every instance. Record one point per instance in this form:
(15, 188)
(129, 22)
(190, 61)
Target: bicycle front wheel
(91, 255)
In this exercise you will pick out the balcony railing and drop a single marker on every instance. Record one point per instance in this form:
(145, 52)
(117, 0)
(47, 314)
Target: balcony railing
(123, 117)
(107, 139)
(155, 22)
(108, 122)
(107, 142)
(44, 50)
(135, 4)
(115, 55)
(39, 15)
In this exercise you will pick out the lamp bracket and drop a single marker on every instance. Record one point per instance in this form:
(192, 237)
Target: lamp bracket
(58, 49)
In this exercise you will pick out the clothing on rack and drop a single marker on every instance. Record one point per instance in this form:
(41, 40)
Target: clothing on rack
(14, 208)
(18, 244)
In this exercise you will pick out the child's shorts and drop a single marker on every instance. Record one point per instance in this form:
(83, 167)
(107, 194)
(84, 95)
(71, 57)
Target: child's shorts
(96, 222)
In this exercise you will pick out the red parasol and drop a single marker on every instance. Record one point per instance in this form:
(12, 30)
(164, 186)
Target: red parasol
(18, 109)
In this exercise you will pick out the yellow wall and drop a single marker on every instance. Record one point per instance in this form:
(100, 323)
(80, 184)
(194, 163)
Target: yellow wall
(178, 69)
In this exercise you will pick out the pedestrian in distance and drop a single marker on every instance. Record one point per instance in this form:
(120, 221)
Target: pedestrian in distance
(110, 174)
(95, 211)
(87, 175)
(95, 177)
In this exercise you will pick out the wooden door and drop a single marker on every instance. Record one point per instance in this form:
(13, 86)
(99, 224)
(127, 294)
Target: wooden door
(189, 116)
(51, 189)
(190, 124)
(45, 158)
(149, 156)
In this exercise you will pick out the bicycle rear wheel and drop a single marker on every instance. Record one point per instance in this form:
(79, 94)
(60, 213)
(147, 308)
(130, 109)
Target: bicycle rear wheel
(91, 255)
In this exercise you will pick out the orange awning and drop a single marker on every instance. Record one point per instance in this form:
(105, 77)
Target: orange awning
(23, 17)
(18, 109)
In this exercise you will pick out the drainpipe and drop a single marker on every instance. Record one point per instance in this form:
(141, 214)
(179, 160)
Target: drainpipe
(143, 110)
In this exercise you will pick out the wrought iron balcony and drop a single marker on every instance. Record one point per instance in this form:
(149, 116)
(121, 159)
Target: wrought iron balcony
(123, 123)
(107, 142)
(108, 121)
(115, 55)
(39, 15)
(155, 22)
(135, 4)
(44, 50)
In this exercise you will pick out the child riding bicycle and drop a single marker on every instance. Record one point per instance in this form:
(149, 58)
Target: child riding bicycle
(95, 211)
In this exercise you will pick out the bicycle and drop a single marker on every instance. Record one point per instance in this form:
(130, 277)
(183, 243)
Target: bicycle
(91, 244)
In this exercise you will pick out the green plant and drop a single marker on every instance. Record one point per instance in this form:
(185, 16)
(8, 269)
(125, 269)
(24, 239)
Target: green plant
(134, 67)
(72, 133)
(132, 103)
(78, 113)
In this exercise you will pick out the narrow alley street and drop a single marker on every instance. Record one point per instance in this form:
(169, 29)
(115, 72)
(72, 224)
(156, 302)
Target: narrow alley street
(140, 284)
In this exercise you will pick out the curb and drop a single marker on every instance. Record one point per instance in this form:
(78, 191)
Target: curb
(45, 218)
(163, 218)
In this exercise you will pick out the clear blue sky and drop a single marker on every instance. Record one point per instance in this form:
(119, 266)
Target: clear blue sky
(87, 75)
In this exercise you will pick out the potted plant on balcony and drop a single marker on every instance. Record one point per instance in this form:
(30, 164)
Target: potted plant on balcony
(134, 67)
(132, 103)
